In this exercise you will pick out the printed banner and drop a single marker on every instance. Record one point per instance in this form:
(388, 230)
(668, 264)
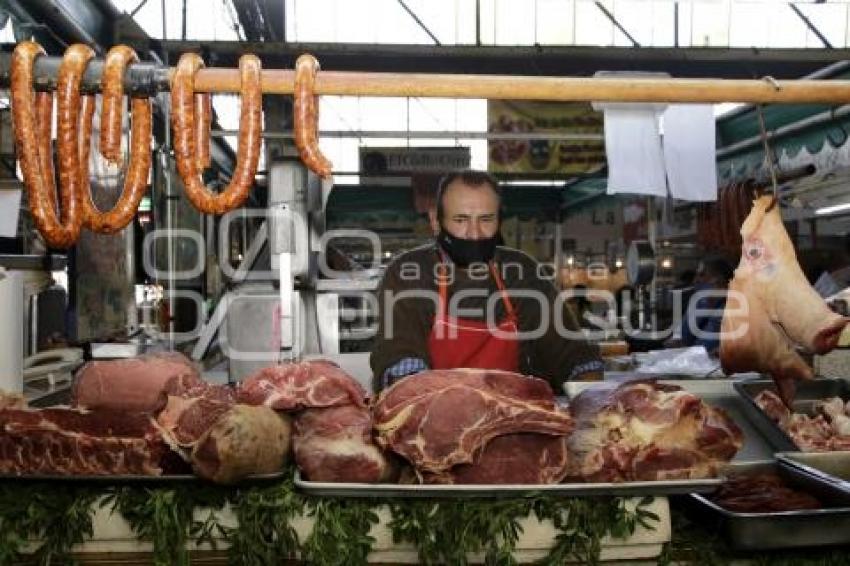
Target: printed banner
(544, 155)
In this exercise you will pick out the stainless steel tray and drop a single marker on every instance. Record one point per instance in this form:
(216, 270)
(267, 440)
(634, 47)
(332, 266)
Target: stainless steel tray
(807, 393)
(785, 529)
(715, 392)
(669, 487)
(833, 467)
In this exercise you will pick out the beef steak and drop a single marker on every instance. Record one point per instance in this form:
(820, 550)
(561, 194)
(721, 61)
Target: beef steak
(441, 418)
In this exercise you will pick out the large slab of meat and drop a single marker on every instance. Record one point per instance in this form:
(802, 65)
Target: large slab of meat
(644, 430)
(771, 308)
(67, 441)
(825, 431)
(335, 444)
(312, 384)
(522, 458)
(136, 384)
(444, 418)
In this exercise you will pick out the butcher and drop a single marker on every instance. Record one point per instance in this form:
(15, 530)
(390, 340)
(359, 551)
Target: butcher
(463, 301)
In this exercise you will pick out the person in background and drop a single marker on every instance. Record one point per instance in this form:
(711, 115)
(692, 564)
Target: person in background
(713, 274)
(434, 300)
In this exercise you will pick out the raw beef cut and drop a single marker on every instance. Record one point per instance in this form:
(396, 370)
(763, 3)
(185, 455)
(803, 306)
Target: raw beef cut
(310, 384)
(186, 417)
(244, 441)
(441, 418)
(137, 384)
(522, 458)
(763, 492)
(771, 308)
(644, 430)
(335, 444)
(68, 441)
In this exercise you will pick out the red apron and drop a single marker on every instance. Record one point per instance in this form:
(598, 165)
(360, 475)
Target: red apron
(464, 343)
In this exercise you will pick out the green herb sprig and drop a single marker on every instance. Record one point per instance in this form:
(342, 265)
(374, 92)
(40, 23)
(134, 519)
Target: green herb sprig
(165, 517)
(38, 511)
(340, 533)
(264, 534)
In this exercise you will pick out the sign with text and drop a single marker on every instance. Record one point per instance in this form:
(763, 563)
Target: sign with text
(543, 154)
(405, 160)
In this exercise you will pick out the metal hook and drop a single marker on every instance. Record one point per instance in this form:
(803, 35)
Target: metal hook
(773, 82)
(839, 125)
(768, 157)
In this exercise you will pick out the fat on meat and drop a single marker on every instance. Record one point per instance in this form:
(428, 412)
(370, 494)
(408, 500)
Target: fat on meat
(311, 384)
(645, 430)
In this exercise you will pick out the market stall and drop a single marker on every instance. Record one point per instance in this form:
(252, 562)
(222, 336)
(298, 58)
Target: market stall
(258, 437)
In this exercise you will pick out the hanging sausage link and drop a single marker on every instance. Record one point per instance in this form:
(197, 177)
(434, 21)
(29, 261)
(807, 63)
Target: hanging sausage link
(138, 169)
(60, 230)
(306, 111)
(184, 121)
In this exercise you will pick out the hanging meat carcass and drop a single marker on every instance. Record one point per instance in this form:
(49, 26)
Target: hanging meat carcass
(771, 308)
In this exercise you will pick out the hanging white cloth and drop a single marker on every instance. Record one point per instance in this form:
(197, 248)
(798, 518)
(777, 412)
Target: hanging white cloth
(633, 149)
(690, 151)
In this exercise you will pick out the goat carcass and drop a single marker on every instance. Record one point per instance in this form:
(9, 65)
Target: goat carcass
(771, 307)
(644, 430)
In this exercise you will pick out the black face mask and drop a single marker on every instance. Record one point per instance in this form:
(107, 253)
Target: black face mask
(465, 252)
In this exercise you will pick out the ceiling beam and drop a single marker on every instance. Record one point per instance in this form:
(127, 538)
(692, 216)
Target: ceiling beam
(733, 63)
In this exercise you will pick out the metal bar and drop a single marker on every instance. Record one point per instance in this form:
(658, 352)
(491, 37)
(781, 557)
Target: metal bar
(817, 119)
(477, 22)
(137, 8)
(675, 24)
(614, 21)
(418, 21)
(810, 25)
(145, 77)
(420, 134)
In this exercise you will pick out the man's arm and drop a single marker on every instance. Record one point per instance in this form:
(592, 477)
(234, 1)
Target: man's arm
(401, 344)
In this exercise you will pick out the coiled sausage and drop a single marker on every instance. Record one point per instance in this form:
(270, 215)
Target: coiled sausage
(59, 230)
(138, 169)
(306, 111)
(184, 119)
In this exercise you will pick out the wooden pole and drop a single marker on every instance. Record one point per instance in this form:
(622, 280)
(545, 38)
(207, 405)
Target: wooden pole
(540, 88)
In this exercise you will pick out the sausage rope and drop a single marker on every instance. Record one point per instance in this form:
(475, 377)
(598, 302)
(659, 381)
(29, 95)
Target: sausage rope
(60, 230)
(185, 120)
(136, 176)
(306, 114)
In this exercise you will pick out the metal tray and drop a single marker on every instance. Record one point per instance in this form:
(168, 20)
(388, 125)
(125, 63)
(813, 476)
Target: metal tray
(784, 529)
(833, 467)
(668, 487)
(116, 479)
(807, 393)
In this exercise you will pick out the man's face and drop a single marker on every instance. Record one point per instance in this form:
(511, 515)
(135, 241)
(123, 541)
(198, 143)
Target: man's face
(469, 212)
